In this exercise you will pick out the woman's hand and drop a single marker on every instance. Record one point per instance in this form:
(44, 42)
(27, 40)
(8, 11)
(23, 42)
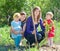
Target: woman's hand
(34, 31)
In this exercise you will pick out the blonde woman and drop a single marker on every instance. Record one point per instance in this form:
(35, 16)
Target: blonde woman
(29, 31)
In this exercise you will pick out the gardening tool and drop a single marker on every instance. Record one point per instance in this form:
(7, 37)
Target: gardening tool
(35, 30)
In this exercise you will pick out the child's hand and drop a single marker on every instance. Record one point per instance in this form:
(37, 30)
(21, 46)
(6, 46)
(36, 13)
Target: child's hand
(44, 24)
(50, 28)
(21, 32)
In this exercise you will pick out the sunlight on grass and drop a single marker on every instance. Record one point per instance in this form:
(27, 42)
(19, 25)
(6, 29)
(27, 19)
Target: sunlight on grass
(6, 40)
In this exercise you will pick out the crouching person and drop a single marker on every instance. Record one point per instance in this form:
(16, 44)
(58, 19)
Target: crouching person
(30, 32)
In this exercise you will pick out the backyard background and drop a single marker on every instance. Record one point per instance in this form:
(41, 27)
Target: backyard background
(9, 7)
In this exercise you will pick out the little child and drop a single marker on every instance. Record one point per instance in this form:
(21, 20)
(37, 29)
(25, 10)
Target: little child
(16, 29)
(50, 31)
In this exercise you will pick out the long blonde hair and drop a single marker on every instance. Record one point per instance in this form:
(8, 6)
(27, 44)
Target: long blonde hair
(39, 16)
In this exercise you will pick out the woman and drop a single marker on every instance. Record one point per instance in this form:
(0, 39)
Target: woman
(29, 31)
(23, 20)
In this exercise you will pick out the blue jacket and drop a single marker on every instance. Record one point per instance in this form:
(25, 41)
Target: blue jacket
(30, 27)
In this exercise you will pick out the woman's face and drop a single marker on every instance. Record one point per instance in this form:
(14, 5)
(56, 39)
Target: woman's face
(23, 17)
(36, 13)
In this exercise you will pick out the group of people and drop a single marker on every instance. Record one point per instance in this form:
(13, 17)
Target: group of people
(21, 26)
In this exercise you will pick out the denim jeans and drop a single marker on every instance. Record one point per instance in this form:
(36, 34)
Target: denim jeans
(17, 40)
(31, 37)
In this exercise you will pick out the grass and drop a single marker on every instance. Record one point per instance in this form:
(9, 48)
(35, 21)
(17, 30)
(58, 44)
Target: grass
(5, 36)
(5, 39)
(57, 32)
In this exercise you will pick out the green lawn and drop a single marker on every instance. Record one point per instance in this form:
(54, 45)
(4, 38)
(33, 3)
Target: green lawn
(5, 39)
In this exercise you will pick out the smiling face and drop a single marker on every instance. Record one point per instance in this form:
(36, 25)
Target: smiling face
(48, 16)
(36, 13)
(16, 17)
(23, 16)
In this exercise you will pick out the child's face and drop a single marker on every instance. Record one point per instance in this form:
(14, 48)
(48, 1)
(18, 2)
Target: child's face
(48, 16)
(23, 17)
(17, 18)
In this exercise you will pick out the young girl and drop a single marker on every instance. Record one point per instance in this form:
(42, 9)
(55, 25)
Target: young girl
(16, 29)
(50, 28)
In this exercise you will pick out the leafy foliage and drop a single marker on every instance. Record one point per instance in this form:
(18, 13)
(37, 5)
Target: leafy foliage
(9, 7)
